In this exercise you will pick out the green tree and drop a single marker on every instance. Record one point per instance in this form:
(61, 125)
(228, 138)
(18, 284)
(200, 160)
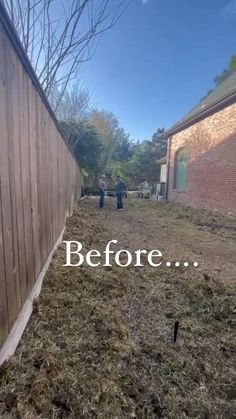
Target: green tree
(139, 160)
(227, 71)
(123, 148)
(85, 144)
(223, 76)
(159, 139)
(232, 64)
(110, 134)
(142, 165)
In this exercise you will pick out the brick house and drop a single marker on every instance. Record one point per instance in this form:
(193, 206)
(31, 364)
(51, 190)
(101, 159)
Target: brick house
(201, 158)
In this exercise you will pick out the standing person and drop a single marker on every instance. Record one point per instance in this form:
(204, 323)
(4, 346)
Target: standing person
(120, 187)
(82, 194)
(102, 188)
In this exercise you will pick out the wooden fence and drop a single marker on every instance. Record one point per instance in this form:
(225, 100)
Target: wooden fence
(39, 178)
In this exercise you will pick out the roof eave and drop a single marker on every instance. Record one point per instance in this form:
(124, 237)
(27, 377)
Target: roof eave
(216, 107)
(163, 160)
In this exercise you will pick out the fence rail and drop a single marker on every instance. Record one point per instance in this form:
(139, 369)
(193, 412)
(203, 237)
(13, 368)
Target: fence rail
(39, 178)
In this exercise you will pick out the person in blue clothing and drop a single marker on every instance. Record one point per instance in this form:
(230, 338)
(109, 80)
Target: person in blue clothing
(102, 188)
(120, 187)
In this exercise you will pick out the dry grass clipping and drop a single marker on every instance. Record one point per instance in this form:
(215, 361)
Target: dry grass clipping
(100, 341)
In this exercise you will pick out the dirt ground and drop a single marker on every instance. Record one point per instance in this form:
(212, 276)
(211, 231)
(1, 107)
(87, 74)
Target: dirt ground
(100, 341)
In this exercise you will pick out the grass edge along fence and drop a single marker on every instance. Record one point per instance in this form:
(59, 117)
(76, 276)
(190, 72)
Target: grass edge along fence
(39, 184)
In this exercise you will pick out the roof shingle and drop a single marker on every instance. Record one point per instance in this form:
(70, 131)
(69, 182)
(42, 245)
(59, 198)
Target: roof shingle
(226, 89)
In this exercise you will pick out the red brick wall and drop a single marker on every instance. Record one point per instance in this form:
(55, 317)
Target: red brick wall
(211, 163)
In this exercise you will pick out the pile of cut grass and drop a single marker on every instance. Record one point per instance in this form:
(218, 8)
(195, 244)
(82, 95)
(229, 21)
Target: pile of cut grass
(100, 341)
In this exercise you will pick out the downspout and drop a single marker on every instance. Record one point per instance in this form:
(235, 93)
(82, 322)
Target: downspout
(168, 166)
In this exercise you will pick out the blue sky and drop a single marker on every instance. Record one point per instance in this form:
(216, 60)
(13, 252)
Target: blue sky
(159, 60)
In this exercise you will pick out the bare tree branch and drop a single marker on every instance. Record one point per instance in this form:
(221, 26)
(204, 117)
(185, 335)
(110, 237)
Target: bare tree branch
(58, 36)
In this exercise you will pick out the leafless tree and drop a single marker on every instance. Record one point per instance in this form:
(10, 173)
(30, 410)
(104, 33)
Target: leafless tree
(74, 104)
(59, 35)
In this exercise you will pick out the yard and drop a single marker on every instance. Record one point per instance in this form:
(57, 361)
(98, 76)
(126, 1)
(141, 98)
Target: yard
(100, 341)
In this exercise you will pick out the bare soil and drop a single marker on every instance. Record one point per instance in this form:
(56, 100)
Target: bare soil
(100, 341)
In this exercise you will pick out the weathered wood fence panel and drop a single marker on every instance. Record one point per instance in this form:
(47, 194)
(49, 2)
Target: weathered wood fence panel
(39, 178)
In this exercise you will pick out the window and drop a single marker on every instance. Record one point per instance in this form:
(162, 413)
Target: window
(180, 169)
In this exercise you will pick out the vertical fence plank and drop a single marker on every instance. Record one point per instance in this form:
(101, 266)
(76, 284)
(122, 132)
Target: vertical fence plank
(38, 177)
(14, 162)
(38, 134)
(33, 179)
(26, 183)
(6, 194)
(23, 220)
(3, 291)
